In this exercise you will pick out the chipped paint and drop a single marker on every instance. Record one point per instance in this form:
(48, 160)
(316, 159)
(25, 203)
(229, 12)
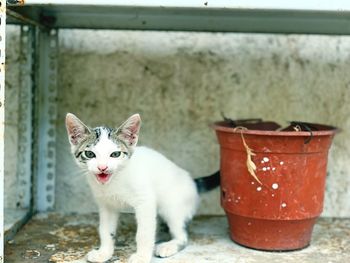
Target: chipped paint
(275, 186)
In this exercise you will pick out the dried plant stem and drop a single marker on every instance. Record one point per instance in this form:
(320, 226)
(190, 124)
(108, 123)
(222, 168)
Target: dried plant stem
(250, 164)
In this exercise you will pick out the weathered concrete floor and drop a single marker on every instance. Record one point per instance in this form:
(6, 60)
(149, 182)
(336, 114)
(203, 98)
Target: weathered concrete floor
(57, 238)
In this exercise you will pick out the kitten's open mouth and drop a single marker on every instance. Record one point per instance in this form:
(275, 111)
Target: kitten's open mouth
(103, 177)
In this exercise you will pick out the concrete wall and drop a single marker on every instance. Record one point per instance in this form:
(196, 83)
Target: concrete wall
(179, 83)
(11, 115)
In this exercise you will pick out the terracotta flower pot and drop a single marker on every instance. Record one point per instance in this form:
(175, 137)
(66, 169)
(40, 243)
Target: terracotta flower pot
(279, 213)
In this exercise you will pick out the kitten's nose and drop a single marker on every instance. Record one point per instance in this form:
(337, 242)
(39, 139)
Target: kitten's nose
(102, 167)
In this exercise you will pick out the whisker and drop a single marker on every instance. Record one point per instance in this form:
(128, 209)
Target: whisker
(77, 175)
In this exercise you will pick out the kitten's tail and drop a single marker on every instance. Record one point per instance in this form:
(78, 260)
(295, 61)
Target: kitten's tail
(207, 183)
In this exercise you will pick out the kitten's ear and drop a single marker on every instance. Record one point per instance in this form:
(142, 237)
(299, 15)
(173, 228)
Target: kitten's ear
(129, 130)
(76, 129)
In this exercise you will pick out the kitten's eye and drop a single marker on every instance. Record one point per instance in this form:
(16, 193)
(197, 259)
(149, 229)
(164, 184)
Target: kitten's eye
(116, 154)
(89, 154)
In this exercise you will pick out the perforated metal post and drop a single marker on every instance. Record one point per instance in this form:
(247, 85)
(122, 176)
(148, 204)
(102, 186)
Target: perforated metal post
(2, 121)
(25, 119)
(46, 115)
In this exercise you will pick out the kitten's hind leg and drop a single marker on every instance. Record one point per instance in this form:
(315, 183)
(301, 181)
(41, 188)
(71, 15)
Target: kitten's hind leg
(177, 227)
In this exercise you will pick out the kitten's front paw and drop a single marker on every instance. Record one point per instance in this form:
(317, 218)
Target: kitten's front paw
(98, 255)
(167, 249)
(138, 258)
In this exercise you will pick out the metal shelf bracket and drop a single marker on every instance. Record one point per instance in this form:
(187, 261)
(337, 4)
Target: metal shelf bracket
(45, 120)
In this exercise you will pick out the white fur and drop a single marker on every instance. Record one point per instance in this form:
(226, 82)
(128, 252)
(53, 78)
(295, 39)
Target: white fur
(150, 184)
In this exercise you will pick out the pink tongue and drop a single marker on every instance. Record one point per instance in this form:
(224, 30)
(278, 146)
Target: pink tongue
(102, 177)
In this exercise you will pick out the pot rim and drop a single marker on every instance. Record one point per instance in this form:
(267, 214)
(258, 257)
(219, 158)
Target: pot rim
(219, 126)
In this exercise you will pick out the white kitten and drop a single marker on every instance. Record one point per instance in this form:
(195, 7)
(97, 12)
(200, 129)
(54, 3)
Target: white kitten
(122, 175)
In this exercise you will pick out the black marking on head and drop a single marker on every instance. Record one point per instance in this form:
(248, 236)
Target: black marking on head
(112, 136)
(109, 131)
(97, 131)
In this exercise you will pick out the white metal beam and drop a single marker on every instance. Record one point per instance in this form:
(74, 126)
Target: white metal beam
(2, 122)
(311, 17)
(325, 5)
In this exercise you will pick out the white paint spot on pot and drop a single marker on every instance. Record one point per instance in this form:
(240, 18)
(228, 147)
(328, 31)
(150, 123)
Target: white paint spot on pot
(229, 200)
(264, 168)
(249, 223)
(262, 161)
(283, 205)
(273, 168)
(238, 197)
(273, 195)
(266, 159)
(268, 168)
(252, 183)
(258, 188)
(281, 162)
(275, 186)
